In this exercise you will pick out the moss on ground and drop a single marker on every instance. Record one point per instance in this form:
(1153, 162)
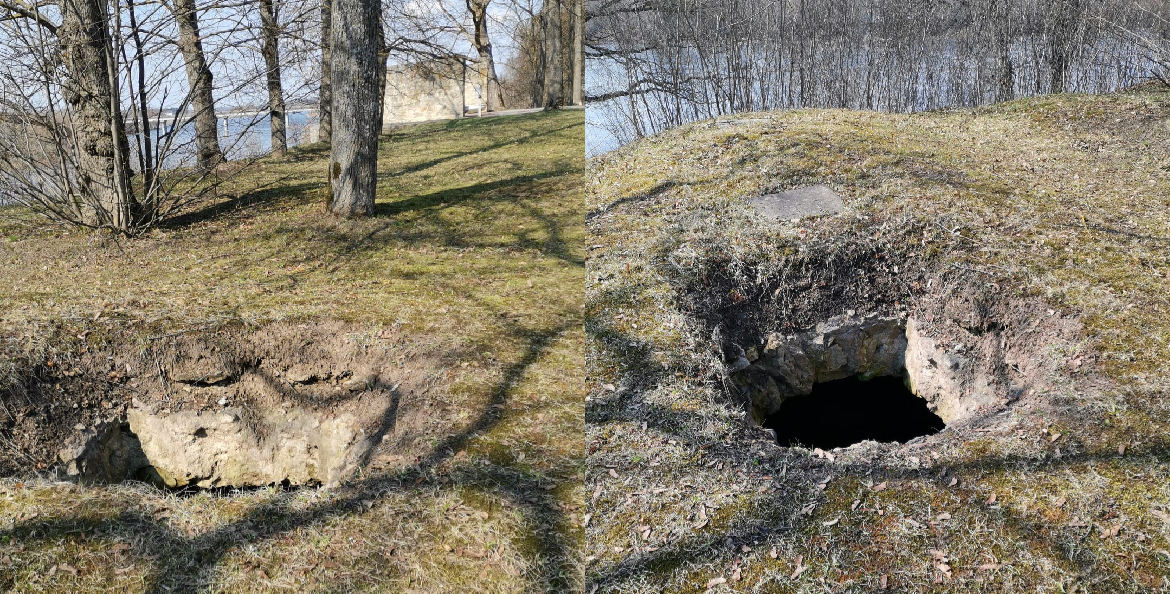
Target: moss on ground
(476, 252)
(1065, 199)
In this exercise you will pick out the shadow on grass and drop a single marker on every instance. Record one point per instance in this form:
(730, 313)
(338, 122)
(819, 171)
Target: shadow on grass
(501, 123)
(430, 227)
(254, 204)
(192, 570)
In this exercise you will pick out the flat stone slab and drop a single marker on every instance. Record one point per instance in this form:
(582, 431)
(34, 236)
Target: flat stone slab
(799, 203)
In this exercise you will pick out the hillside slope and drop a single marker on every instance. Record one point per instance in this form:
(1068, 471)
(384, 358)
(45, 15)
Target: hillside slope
(462, 292)
(1030, 240)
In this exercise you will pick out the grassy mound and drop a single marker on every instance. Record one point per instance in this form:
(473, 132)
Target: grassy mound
(472, 266)
(1054, 210)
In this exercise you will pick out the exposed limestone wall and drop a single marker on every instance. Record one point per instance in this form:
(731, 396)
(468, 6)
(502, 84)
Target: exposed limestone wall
(426, 91)
(844, 346)
(221, 449)
(956, 382)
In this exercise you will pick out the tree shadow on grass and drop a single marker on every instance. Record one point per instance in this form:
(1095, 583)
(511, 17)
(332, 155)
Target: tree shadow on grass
(529, 136)
(430, 228)
(191, 571)
(252, 205)
(295, 188)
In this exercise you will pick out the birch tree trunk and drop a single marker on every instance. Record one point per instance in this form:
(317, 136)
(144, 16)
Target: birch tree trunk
(325, 111)
(101, 150)
(578, 51)
(355, 74)
(271, 51)
(553, 75)
(200, 80)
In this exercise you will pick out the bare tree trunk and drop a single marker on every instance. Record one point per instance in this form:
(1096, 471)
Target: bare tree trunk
(1066, 18)
(271, 52)
(486, 66)
(146, 154)
(578, 50)
(200, 80)
(383, 57)
(553, 76)
(539, 63)
(325, 111)
(102, 150)
(354, 155)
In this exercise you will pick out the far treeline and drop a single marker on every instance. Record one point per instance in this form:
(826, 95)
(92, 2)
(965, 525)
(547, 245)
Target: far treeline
(110, 109)
(660, 63)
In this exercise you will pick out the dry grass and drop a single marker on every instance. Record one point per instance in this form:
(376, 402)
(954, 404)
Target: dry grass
(475, 253)
(1064, 198)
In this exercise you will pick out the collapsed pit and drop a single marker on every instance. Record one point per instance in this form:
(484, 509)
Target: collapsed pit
(855, 378)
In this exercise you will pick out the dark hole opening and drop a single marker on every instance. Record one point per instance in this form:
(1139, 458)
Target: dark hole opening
(844, 412)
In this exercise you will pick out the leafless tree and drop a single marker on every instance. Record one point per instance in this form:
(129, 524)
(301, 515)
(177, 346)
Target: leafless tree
(95, 129)
(578, 50)
(554, 91)
(655, 64)
(201, 81)
(355, 72)
(325, 97)
(270, 29)
(486, 64)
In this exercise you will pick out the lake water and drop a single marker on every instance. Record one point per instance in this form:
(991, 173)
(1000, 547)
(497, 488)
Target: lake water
(239, 137)
(943, 77)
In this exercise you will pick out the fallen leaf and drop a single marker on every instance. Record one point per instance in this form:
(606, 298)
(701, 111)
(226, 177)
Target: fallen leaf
(702, 518)
(943, 517)
(1111, 531)
(735, 575)
(1055, 436)
(954, 481)
(831, 522)
(856, 502)
(585, 520)
(1121, 450)
(989, 567)
(1060, 501)
(613, 473)
(1161, 515)
(880, 486)
(715, 581)
(610, 388)
(773, 554)
(67, 568)
(123, 570)
(991, 500)
(884, 581)
(799, 567)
